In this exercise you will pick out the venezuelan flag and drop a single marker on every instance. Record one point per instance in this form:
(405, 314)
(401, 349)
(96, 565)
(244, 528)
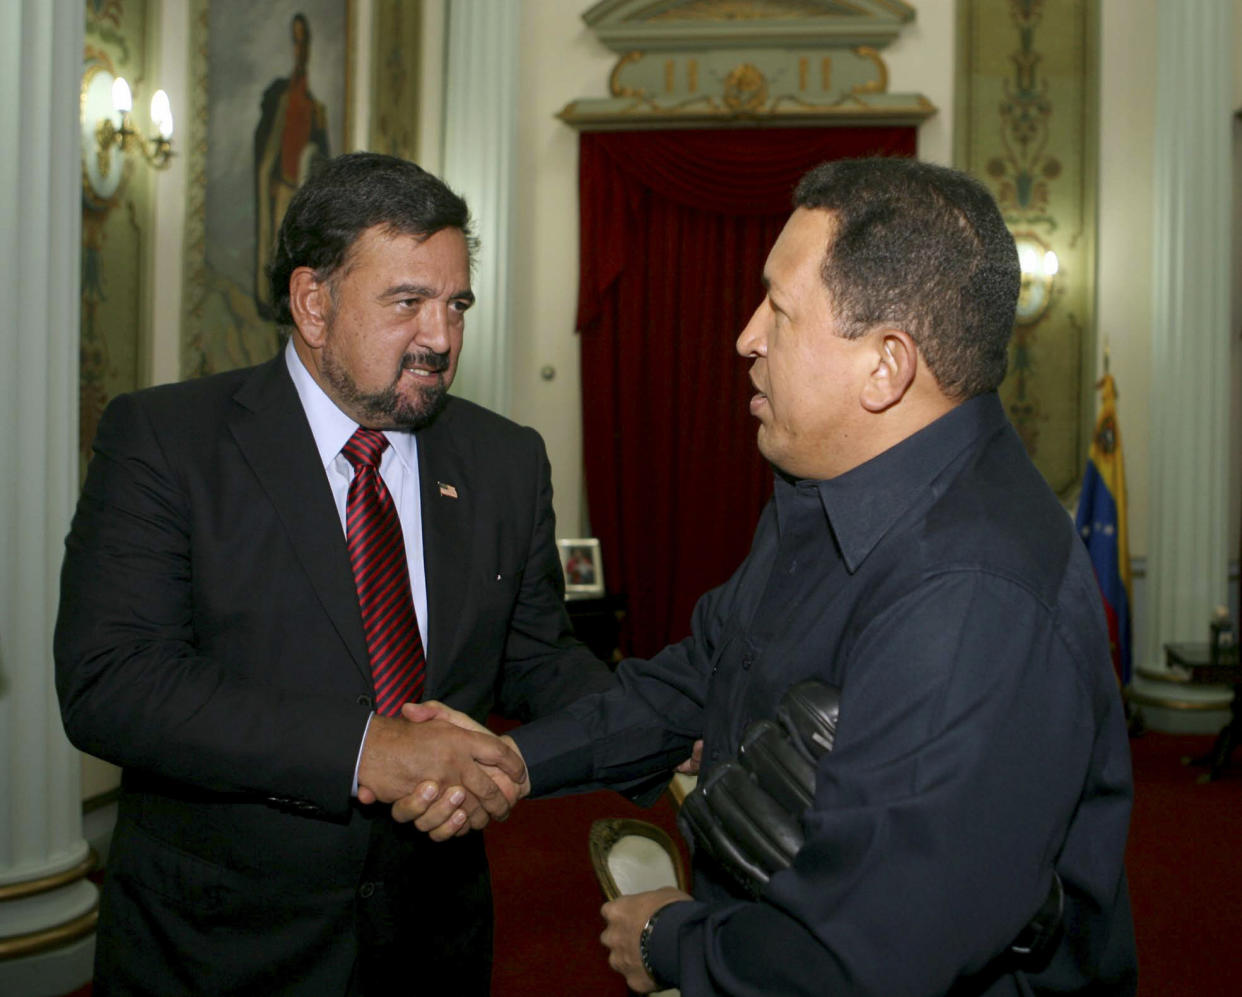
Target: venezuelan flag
(1101, 522)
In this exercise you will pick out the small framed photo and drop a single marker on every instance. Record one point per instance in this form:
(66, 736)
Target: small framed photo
(584, 571)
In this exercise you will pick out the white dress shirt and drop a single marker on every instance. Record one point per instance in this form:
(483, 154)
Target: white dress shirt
(332, 429)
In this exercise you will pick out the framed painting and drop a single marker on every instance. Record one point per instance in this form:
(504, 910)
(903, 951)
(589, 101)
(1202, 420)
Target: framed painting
(270, 86)
(584, 570)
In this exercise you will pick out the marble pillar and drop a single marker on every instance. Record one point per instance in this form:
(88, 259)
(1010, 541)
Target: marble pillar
(47, 906)
(480, 134)
(1187, 561)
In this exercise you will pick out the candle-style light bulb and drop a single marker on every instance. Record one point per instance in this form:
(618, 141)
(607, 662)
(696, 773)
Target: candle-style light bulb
(122, 99)
(161, 114)
(1028, 258)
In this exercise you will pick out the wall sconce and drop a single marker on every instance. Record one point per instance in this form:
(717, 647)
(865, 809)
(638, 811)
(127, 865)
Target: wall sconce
(108, 131)
(1039, 269)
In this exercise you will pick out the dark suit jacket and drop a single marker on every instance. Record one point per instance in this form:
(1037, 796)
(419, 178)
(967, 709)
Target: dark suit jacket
(209, 641)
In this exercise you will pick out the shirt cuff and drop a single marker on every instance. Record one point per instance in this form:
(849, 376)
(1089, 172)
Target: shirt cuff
(358, 761)
(664, 946)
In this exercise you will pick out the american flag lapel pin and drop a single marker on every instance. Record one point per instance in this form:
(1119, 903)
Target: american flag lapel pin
(447, 491)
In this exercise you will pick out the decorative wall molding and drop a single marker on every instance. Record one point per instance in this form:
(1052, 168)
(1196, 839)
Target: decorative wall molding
(688, 63)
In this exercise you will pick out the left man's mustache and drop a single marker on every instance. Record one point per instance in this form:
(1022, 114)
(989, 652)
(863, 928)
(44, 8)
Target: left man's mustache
(437, 363)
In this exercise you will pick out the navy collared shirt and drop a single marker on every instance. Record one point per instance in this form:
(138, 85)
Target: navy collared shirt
(981, 743)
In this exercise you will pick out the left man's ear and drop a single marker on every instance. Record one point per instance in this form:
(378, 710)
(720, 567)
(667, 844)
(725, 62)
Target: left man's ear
(310, 303)
(896, 362)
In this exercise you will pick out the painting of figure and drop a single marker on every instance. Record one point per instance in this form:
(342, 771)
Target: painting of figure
(291, 135)
(584, 572)
(274, 82)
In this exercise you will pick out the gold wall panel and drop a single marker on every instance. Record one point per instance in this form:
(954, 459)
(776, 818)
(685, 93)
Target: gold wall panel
(394, 78)
(1027, 110)
(114, 232)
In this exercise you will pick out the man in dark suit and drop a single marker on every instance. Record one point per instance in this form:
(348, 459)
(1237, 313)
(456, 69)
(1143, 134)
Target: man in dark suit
(210, 638)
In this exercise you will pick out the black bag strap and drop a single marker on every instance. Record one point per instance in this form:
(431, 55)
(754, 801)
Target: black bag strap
(746, 813)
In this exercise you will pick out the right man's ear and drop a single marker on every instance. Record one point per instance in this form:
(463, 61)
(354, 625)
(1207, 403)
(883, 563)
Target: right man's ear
(894, 364)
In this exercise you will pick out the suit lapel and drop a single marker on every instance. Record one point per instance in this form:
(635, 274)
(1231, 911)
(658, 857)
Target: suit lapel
(271, 430)
(448, 514)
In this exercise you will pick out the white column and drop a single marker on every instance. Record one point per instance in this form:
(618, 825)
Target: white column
(480, 117)
(46, 905)
(1189, 404)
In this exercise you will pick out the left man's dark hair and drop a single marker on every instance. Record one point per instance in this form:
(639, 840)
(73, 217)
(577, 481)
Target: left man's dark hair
(345, 196)
(923, 248)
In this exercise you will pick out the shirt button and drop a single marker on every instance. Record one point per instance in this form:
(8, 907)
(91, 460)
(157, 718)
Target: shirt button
(364, 701)
(747, 660)
(365, 890)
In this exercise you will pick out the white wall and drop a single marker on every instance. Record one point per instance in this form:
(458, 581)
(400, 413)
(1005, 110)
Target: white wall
(1124, 302)
(561, 60)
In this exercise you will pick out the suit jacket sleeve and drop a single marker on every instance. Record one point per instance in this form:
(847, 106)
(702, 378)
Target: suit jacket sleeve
(135, 685)
(545, 667)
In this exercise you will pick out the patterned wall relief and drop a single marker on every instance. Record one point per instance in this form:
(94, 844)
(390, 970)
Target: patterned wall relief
(687, 63)
(394, 77)
(269, 97)
(113, 232)
(1027, 107)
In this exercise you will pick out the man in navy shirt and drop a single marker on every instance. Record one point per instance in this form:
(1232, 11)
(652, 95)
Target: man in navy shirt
(913, 557)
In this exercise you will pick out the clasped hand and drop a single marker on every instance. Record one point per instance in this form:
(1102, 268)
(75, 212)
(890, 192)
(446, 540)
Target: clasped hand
(440, 769)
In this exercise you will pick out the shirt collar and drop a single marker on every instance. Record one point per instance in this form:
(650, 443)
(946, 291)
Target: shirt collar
(331, 427)
(863, 504)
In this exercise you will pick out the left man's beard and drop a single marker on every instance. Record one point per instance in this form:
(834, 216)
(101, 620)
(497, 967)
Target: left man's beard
(386, 409)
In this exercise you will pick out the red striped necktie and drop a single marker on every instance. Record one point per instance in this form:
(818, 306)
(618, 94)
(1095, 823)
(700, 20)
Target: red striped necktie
(377, 553)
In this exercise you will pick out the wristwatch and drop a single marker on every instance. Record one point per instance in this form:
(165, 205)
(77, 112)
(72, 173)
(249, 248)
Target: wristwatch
(644, 947)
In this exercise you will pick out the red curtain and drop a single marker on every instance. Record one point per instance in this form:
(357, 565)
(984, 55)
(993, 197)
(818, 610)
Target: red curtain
(675, 228)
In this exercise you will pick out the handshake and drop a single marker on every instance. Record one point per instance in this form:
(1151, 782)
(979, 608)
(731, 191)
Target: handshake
(440, 769)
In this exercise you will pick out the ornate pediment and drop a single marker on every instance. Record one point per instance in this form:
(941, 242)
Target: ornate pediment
(713, 62)
(696, 24)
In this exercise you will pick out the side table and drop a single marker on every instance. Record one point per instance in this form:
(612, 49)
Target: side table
(1194, 660)
(597, 623)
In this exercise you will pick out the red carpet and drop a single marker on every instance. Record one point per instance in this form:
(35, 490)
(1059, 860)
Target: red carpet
(1184, 860)
(1185, 866)
(548, 899)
